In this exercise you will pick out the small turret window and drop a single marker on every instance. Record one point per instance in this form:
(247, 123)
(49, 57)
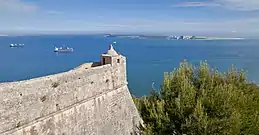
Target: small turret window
(118, 60)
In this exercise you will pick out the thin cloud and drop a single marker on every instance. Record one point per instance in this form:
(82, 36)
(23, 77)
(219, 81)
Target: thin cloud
(239, 27)
(16, 6)
(241, 5)
(233, 26)
(196, 4)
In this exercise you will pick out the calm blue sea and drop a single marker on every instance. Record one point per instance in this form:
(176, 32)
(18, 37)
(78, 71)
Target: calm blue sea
(147, 59)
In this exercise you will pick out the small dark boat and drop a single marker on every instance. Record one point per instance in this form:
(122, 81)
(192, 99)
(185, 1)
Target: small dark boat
(60, 49)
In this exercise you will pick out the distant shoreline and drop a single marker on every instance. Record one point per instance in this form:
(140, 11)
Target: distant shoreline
(142, 36)
(172, 37)
(216, 38)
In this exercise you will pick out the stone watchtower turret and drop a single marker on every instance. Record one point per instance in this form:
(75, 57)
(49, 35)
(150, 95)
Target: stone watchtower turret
(118, 63)
(111, 57)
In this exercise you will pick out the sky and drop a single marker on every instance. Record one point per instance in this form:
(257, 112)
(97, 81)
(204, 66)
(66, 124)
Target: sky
(167, 17)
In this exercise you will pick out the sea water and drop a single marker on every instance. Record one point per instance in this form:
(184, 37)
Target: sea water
(147, 59)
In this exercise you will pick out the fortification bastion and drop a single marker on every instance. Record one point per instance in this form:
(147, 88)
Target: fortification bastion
(92, 99)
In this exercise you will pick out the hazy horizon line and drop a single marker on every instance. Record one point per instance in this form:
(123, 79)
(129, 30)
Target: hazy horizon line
(39, 33)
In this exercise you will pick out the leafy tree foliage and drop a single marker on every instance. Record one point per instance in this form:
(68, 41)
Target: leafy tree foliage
(201, 101)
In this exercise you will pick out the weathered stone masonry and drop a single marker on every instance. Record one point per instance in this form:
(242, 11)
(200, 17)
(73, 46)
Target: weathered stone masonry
(92, 99)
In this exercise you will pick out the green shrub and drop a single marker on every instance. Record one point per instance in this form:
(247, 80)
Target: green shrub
(201, 101)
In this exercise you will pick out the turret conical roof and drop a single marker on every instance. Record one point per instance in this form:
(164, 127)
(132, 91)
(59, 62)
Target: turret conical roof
(111, 51)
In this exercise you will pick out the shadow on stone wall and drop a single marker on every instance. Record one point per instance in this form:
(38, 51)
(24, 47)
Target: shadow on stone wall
(96, 64)
(88, 65)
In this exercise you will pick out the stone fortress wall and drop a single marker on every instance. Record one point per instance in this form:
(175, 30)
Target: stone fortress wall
(90, 99)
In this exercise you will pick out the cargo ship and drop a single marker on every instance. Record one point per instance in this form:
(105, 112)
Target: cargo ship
(60, 49)
(16, 45)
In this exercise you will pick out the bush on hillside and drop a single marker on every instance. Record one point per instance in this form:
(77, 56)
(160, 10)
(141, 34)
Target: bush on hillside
(201, 101)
